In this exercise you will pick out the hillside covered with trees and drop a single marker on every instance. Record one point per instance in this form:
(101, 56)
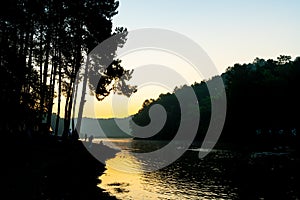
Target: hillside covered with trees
(262, 102)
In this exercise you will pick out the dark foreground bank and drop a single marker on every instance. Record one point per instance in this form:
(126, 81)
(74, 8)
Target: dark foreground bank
(47, 168)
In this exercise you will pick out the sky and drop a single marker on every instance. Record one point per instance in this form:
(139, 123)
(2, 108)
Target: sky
(228, 31)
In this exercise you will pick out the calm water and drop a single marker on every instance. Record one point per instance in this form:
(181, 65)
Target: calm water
(223, 174)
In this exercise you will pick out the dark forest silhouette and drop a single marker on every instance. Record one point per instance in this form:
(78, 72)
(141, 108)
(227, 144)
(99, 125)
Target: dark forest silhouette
(262, 103)
(44, 55)
(43, 46)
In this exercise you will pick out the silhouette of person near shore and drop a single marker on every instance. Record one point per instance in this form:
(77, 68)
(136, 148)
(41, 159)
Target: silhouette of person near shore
(90, 142)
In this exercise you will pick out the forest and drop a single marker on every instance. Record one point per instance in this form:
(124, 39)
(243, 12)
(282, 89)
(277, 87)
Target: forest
(262, 102)
(43, 56)
(48, 64)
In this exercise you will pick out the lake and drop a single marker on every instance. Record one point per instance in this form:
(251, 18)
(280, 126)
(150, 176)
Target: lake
(222, 174)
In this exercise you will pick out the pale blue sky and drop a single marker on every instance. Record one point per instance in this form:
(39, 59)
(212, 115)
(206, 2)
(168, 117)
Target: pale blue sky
(229, 31)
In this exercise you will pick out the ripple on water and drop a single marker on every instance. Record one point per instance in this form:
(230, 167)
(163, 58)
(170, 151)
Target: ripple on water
(187, 178)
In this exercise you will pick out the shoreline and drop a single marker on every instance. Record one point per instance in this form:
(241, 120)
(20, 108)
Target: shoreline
(44, 168)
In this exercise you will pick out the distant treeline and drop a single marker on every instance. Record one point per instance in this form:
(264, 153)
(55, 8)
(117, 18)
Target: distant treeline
(99, 128)
(262, 99)
(102, 128)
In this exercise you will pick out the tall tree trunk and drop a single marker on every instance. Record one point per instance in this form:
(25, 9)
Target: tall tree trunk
(52, 84)
(68, 105)
(76, 75)
(70, 96)
(41, 73)
(45, 74)
(29, 63)
(59, 97)
(75, 101)
(66, 120)
(82, 100)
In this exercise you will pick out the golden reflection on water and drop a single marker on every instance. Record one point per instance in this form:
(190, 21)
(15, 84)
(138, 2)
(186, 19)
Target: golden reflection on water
(125, 178)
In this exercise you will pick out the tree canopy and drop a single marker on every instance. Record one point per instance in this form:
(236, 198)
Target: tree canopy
(261, 95)
(43, 46)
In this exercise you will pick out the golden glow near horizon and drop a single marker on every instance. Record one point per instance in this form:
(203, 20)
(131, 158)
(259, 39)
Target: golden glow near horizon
(155, 72)
(228, 31)
(147, 65)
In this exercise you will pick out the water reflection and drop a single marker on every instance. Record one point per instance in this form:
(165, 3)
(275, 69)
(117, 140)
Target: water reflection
(187, 178)
(124, 178)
